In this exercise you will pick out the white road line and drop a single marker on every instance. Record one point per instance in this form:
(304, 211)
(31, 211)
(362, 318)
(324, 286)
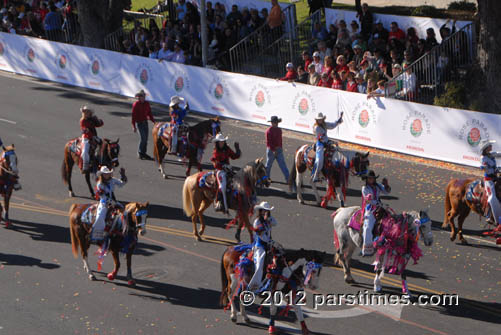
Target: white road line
(8, 121)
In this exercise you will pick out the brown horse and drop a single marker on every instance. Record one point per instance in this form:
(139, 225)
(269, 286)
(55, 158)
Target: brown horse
(337, 165)
(107, 155)
(461, 197)
(8, 177)
(192, 147)
(197, 198)
(130, 222)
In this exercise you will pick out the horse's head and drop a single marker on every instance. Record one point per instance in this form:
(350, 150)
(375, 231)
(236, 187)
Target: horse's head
(312, 269)
(138, 212)
(113, 151)
(9, 159)
(260, 170)
(423, 224)
(360, 163)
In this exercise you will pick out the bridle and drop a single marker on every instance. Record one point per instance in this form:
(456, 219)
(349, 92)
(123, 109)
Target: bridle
(311, 266)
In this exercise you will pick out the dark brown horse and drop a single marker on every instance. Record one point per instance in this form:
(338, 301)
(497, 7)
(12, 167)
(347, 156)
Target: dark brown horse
(108, 153)
(8, 177)
(337, 166)
(192, 148)
(132, 221)
(196, 198)
(461, 197)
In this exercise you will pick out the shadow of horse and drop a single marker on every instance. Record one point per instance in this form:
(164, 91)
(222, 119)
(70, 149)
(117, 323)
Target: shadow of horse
(143, 249)
(20, 260)
(173, 213)
(42, 232)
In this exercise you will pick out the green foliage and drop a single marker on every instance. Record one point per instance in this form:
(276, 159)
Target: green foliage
(454, 96)
(428, 11)
(462, 5)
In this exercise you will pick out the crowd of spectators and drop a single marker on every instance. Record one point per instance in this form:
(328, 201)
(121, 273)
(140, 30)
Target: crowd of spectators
(362, 57)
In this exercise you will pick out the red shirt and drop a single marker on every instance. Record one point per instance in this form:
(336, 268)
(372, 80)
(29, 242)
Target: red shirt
(222, 157)
(337, 84)
(323, 83)
(290, 75)
(340, 68)
(306, 64)
(399, 35)
(88, 127)
(141, 111)
(353, 87)
(328, 70)
(274, 138)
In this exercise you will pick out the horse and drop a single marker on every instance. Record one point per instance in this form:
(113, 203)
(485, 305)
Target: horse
(128, 222)
(8, 177)
(200, 190)
(297, 268)
(461, 197)
(337, 165)
(193, 148)
(396, 241)
(107, 155)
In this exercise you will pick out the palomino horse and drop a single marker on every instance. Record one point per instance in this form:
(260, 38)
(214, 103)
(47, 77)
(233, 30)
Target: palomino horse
(399, 234)
(337, 165)
(200, 190)
(8, 177)
(107, 155)
(197, 138)
(294, 268)
(461, 197)
(127, 224)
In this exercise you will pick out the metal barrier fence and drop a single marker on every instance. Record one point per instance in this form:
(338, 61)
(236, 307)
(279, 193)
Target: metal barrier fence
(425, 79)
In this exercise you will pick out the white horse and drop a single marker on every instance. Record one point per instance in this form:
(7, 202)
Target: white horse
(347, 240)
(337, 166)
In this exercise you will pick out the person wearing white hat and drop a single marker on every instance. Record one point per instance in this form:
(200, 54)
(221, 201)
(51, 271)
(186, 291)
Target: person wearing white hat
(291, 74)
(320, 130)
(489, 165)
(177, 115)
(88, 124)
(105, 187)
(221, 159)
(262, 241)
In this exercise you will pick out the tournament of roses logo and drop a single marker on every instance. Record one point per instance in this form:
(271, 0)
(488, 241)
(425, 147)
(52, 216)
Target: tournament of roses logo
(143, 73)
(364, 114)
(62, 60)
(219, 88)
(30, 55)
(473, 131)
(303, 103)
(181, 81)
(416, 123)
(95, 65)
(260, 95)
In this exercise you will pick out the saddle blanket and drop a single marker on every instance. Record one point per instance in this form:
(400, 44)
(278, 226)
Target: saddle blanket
(88, 217)
(203, 182)
(76, 146)
(475, 194)
(356, 220)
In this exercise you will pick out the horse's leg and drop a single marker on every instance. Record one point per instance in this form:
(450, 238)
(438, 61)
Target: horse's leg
(6, 201)
(194, 222)
(84, 248)
(248, 226)
(271, 329)
(299, 187)
(461, 219)
(116, 260)
(405, 288)
(130, 280)
(239, 228)
(378, 288)
(300, 317)
(315, 190)
(345, 263)
(243, 312)
(205, 204)
(161, 156)
(451, 215)
(233, 288)
(87, 179)
(69, 166)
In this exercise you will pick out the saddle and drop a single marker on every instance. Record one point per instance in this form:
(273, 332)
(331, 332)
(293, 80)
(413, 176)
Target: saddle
(357, 219)
(475, 194)
(76, 148)
(112, 220)
(207, 179)
(310, 154)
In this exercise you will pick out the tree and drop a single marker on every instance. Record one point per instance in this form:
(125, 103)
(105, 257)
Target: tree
(98, 18)
(489, 53)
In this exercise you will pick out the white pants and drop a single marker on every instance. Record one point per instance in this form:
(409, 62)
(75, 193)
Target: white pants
(221, 178)
(369, 222)
(259, 254)
(173, 147)
(85, 152)
(493, 201)
(100, 222)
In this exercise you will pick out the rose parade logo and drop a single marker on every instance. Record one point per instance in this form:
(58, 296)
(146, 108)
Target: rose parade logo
(30, 55)
(219, 91)
(62, 61)
(259, 95)
(179, 84)
(473, 131)
(474, 137)
(364, 114)
(363, 118)
(303, 103)
(143, 73)
(260, 100)
(219, 88)
(95, 65)
(416, 123)
(180, 81)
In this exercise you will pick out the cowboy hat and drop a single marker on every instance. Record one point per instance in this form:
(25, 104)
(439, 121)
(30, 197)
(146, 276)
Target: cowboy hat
(485, 143)
(104, 170)
(371, 173)
(264, 205)
(320, 116)
(140, 93)
(275, 118)
(85, 108)
(220, 138)
(175, 100)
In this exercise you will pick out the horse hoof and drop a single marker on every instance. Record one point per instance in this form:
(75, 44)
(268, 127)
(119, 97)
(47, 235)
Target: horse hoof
(8, 224)
(301, 202)
(164, 176)
(272, 330)
(71, 194)
(246, 319)
(92, 277)
(111, 276)
(463, 241)
(342, 203)
(349, 280)
(131, 282)
(378, 288)
(201, 232)
(234, 319)
(198, 238)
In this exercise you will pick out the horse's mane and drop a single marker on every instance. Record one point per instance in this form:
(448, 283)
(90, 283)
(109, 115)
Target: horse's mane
(8, 148)
(393, 225)
(247, 173)
(292, 255)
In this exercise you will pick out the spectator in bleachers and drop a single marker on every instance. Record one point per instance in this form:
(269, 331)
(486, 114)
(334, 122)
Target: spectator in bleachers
(181, 9)
(361, 84)
(291, 74)
(328, 65)
(302, 75)
(337, 82)
(234, 15)
(52, 24)
(421, 48)
(341, 64)
(412, 36)
(431, 40)
(164, 53)
(306, 59)
(313, 76)
(323, 50)
(408, 58)
(445, 31)
(331, 36)
(343, 38)
(130, 48)
(351, 84)
(352, 66)
(319, 32)
(178, 55)
(377, 92)
(382, 32)
(325, 81)
(220, 10)
(358, 56)
(409, 84)
(318, 62)
(396, 33)
(365, 17)
(354, 30)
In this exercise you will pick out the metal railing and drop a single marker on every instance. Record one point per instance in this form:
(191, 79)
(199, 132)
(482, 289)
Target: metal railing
(425, 79)
(243, 55)
(145, 19)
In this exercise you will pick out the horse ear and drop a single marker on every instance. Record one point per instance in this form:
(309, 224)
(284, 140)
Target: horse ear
(13, 146)
(367, 154)
(4, 148)
(118, 140)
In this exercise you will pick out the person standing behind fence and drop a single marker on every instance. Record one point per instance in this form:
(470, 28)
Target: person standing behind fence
(365, 17)
(181, 10)
(141, 112)
(275, 20)
(52, 24)
(274, 148)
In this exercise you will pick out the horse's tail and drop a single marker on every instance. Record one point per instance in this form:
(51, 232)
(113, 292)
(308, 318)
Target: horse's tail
(154, 133)
(74, 238)
(447, 203)
(187, 204)
(64, 166)
(293, 174)
(223, 299)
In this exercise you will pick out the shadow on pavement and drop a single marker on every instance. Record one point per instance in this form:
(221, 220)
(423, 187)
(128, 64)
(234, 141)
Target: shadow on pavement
(42, 232)
(19, 260)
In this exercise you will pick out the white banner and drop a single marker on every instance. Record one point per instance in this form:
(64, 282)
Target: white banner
(404, 22)
(444, 134)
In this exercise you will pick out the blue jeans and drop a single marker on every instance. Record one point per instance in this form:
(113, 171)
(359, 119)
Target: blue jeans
(143, 137)
(279, 156)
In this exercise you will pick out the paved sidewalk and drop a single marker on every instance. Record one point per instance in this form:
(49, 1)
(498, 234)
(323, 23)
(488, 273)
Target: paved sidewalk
(380, 3)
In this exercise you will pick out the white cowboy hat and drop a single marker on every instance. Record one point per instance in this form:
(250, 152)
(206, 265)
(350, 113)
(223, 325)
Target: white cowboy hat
(485, 143)
(104, 170)
(85, 108)
(175, 100)
(320, 116)
(265, 205)
(220, 138)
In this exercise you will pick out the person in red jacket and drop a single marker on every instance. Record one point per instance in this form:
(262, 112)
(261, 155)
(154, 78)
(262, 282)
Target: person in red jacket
(88, 125)
(351, 84)
(291, 74)
(274, 148)
(141, 113)
(221, 159)
(325, 80)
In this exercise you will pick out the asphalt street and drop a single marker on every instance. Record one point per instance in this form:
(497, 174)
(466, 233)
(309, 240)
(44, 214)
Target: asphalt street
(44, 290)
